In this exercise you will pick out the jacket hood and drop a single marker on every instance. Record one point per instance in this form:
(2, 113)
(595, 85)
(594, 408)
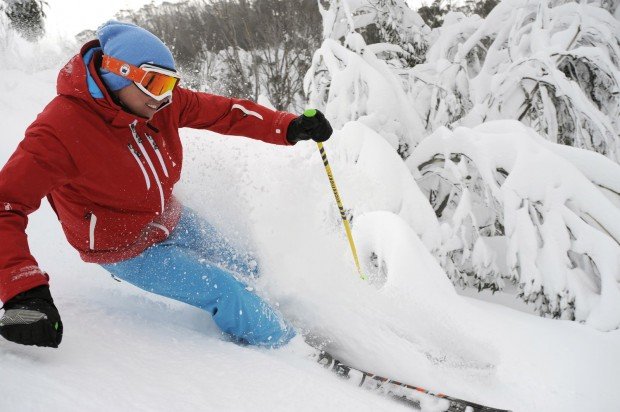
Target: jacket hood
(80, 79)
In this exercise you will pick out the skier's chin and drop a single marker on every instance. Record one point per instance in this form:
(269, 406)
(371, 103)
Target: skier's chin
(150, 111)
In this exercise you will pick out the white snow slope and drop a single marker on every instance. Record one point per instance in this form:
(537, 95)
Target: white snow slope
(125, 349)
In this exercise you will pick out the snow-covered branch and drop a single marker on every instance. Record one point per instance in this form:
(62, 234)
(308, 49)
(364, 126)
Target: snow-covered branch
(500, 189)
(553, 65)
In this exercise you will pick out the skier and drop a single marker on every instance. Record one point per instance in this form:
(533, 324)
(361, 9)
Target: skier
(106, 153)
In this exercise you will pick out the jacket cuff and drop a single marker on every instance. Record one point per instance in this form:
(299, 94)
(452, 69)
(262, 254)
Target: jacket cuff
(280, 127)
(20, 280)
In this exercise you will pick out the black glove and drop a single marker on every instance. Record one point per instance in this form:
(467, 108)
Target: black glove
(31, 318)
(310, 125)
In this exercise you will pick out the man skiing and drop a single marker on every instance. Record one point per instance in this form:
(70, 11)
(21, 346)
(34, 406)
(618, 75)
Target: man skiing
(106, 153)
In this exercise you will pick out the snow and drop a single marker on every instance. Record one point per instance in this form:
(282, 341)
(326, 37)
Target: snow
(126, 349)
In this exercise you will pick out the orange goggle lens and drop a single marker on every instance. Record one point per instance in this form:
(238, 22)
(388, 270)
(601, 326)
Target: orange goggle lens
(158, 83)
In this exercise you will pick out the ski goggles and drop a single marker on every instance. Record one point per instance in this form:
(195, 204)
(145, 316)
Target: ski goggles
(156, 82)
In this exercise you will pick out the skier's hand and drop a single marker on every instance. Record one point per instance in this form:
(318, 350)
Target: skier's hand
(310, 125)
(31, 318)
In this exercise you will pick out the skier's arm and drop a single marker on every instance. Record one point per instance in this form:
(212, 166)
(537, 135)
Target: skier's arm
(231, 116)
(39, 164)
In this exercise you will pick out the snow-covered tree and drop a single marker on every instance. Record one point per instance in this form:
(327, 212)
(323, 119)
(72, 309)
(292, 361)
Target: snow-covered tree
(514, 208)
(379, 21)
(355, 75)
(517, 208)
(553, 65)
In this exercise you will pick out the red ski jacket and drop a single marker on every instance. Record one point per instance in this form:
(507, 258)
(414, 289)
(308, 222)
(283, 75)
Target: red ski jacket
(108, 174)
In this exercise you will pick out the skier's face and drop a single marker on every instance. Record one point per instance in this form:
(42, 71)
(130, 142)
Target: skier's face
(139, 103)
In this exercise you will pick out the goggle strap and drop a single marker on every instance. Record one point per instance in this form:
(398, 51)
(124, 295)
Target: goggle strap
(123, 69)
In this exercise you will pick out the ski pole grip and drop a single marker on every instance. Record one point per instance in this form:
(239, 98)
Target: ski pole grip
(310, 112)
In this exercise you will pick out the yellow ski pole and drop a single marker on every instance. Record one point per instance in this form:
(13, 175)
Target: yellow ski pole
(332, 182)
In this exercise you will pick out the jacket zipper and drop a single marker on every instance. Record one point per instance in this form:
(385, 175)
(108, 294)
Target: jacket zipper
(158, 153)
(91, 231)
(136, 156)
(138, 140)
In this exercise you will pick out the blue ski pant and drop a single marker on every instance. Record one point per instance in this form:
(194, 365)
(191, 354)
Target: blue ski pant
(195, 265)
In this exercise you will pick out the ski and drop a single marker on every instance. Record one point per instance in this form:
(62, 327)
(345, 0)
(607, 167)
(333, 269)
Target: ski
(401, 391)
